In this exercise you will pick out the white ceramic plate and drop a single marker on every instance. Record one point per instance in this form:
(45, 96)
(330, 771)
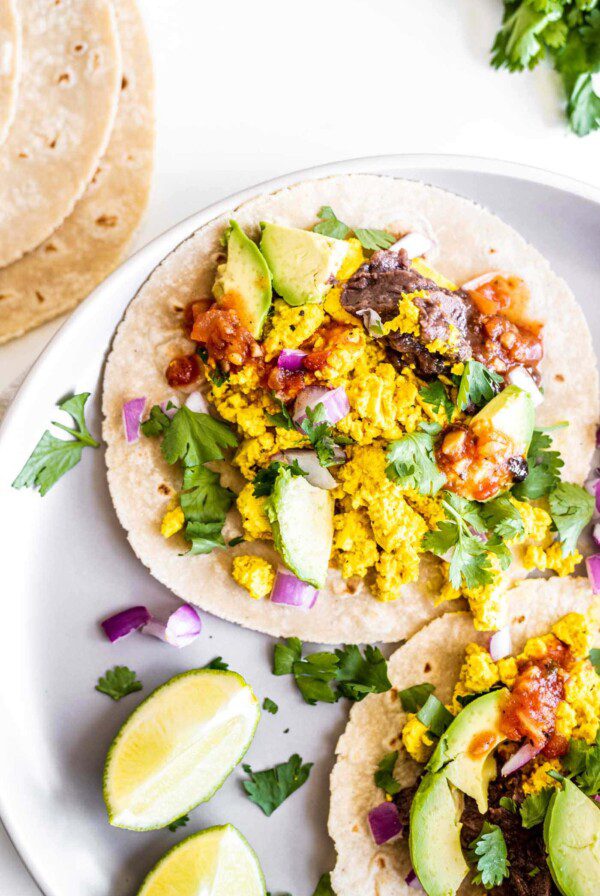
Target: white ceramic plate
(66, 564)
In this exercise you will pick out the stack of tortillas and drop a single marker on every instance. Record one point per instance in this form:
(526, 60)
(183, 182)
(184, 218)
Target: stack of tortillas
(76, 142)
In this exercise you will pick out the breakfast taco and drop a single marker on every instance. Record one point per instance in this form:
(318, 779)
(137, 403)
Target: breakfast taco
(348, 407)
(480, 769)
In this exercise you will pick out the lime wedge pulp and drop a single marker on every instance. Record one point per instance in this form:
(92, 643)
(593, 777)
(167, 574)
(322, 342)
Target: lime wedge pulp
(178, 747)
(215, 862)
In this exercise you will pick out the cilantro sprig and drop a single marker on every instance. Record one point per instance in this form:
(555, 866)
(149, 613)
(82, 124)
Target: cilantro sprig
(533, 808)
(435, 394)
(489, 855)
(411, 461)
(118, 682)
(369, 238)
(354, 674)
(413, 698)
(571, 508)
(269, 788)
(384, 776)
(322, 436)
(583, 764)
(477, 386)
(178, 823)
(543, 465)
(568, 33)
(53, 457)
(264, 481)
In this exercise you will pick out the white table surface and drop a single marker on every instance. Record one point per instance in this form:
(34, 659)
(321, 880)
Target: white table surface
(247, 91)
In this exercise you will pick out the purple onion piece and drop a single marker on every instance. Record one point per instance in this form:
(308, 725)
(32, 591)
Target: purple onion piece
(413, 881)
(384, 822)
(291, 591)
(335, 403)
(180, 629)
(122, 624)
(500, 644)
(523, 755)
(596, 534)
(291, 359)
(132, 417)
(592, 564)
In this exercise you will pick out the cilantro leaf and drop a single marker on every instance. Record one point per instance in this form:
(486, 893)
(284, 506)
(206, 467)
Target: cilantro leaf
(470, 558)
(204, 537)
(595, 658)
(269, 788)
(239, 539)
(203, 498)
(282, 419)
(53, 457)
(435, 394)
(571, 508)
(361, 675)
(413, 698)
(118, 682)
(374, 239)
(411, 462)
(217, 663)
(502, 517)
(264, 481)
(157, 422)
(543, 469)
(320, 435)
(583, 763)
(489, 853)
(477, 386)
(285, 655)
(384, 776)
(517, 45)
(270, 706)
(196, 438)
(324, 887)
(330, 225)
(178, 823)
(533, 808)
(434, 715)
(508, 803)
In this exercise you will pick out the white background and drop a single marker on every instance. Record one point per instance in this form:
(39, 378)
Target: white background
(246, 91)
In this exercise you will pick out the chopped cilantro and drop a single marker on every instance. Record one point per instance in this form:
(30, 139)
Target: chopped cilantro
(269, 788)
(330, 225)
(118, 682)
(583, 763)
(217, 376)
(411, 462)
(320, 434)
(595, 658)
(434, 715)
(543, 469)
(195, 438)
(488, 852)
(534, 871)
(412, 699)
(384, 776)
(157, 422)
(502, 517)
(203, 498)
(53, 457)
(435, 394)
(270, 706)
(324, 887)
(239, 539)
(264, 481)
(217, 663)
(533, 808)
(477, 386)
(509, 804)
(179, 823)
(282, 419)
(204, 537)
(571, 508)
(355, 674)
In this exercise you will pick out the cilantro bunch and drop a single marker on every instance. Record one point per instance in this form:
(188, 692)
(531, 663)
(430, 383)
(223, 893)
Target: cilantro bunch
(567, 32)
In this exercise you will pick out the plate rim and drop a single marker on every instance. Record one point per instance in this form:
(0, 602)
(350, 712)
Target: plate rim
(166, 241)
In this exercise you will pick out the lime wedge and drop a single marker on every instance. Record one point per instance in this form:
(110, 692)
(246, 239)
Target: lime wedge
(178, 747)
(215, 862)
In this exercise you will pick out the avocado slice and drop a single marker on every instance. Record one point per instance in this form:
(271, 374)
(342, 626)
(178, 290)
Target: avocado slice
(465, 749)
(511, 413)
(301, 516)
(434, 836)
(243, 282)
(303, 264)
(572, 838)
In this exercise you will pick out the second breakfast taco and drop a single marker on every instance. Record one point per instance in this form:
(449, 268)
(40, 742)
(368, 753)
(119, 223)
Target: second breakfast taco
(480, 769)
(363, 402)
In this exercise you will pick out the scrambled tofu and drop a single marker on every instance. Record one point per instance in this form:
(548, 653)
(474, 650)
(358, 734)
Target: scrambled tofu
(539, 778)
(254, 518)
(172, 522)
(254, 574)
(354, 547)
(383, 403)
(537, 557)
(416, 739)
(407, 319)
(291, 326)
(582, 692)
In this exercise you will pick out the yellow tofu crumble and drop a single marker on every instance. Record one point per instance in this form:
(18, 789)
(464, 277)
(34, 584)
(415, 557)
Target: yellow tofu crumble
(254, 574)
(172, 522)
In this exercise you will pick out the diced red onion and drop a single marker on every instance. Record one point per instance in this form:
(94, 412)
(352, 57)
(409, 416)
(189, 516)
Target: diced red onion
(292, 591)
(520, 377)
(413, 881)
(291, 359)
(384, 821)
(308, 461)
(181, 628)
(197, 402)
(334, 401)
(598, 437)
(476, 282)
(597, 798)
(372, 321)
(414, 244)
(500, 644)
(523, 755)
(122, 624)
(596, 534)
(592, 564)
(132, 417)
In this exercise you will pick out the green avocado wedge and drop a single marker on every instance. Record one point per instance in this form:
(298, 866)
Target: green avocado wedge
(178, 747)
(434, 836)
(218, 861)
(465, 749)
(572, 838)
(512, 414)
(244, 280)
(303, 263)
(301, 516)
